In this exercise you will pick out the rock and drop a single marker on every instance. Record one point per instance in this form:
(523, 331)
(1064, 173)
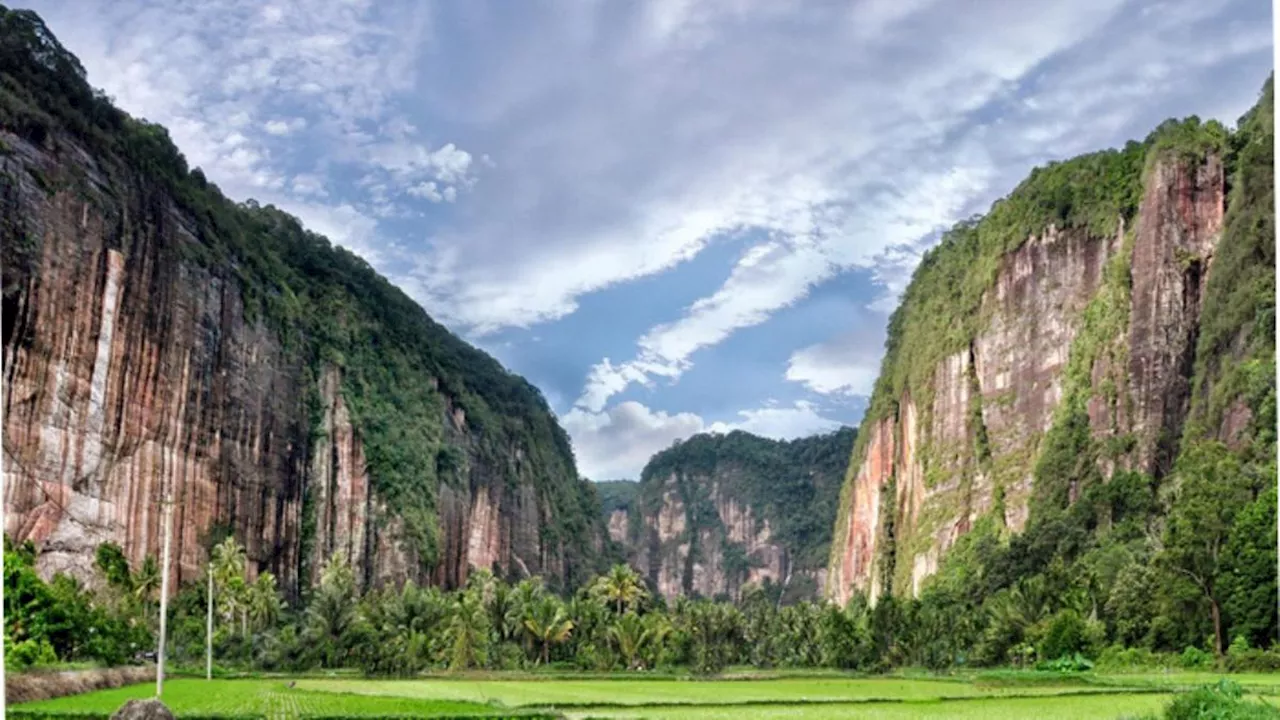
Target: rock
(132, 367)
(1003, 391)
(151, 709)
(698, 531)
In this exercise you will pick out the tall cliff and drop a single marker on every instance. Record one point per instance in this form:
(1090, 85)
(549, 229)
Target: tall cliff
(1112, 309)
(161, 339)
(715, 512)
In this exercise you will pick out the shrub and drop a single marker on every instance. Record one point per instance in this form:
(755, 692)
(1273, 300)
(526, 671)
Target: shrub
(28, 653)
(1066, 635)
(1194, 657)
(1117, 657)
(1243, 658)
(1222, 701)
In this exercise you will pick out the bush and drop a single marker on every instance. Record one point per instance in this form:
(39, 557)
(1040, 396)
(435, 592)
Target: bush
(28, 653)
(1194, 657)
(1067, 635)
(1118, 657)
(1072, 663)
(1223, 701)
(1243, 658)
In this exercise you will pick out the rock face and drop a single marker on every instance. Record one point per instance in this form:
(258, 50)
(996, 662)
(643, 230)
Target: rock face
(143, 710)
(1073, 322)
(716, 513)
(144, 358)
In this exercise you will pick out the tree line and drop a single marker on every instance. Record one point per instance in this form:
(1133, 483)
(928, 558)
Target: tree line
(612, 623)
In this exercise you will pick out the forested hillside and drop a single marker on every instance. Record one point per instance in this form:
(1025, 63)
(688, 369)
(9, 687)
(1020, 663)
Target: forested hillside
(715, 512)
(161, 339)
(1074, 425)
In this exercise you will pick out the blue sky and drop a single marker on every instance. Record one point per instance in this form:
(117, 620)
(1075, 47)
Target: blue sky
(672, 216)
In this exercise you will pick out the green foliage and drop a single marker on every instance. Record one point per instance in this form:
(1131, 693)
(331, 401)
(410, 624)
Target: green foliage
(111, 561)
(616, 495)
(400, 370)
(1066, 636)
(794, 485)
(60, 621)
(1222, 701)
(1107, 555)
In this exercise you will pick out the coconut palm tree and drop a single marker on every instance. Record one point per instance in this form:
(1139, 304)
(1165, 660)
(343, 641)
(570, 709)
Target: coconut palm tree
(469, 631)
(146, 582)
(234, 601)
(226, 561)
(264, 603)
(548, 624)
(622, 587)
(331, 616)
(526, 594)
(628, 634)
(657, 630)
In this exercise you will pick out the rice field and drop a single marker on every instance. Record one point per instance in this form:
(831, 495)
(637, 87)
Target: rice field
(1003, 695)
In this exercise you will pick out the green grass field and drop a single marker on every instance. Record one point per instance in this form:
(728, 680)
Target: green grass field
(985, 695)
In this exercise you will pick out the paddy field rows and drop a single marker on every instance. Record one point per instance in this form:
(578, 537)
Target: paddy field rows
(998, 696)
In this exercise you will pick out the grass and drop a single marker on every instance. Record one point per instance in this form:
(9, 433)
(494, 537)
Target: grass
(257, 698)
(1040, 708)
(1002, 694)
(599, 693)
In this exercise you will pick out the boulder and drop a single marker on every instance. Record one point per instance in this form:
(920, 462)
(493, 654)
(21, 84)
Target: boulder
(151, 709)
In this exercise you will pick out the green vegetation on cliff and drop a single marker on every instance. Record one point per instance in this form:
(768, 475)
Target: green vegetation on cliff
(617, 495)
(401, 372)
(1180, 560)
(793, 485)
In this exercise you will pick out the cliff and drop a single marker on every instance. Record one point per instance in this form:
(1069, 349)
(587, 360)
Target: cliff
(160, 339)
(1061, 339)
(716, 512)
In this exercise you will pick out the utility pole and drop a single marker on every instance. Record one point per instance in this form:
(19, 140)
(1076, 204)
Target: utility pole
(208, 629)
(164, 587)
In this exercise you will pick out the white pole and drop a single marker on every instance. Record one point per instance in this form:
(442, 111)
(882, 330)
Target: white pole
(208, 630)
(164, 590)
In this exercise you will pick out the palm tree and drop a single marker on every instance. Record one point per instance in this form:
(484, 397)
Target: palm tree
(657, 629)
(629, 634)
(331, 616)
(228, 571)
(146, 582)
(469, 629)
(591, 618)
(548, 623)
(226, 561)
(621, 586)
(526, 594)
(264, 601)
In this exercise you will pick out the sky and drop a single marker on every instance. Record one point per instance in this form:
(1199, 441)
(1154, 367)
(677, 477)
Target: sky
(672, 216)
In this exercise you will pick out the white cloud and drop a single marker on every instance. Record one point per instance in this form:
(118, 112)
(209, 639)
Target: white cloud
(778, 272)
(930, 163)
(846, 365)
(215, 74)
(618, 442)
(307, 184)
(427, 191)
(628, 141)
(284, 127)
(407, 162)
(780, 423)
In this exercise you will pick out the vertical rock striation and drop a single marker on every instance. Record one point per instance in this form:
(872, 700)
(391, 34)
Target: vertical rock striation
(716, 513)
(1076, 319)
(162, 340)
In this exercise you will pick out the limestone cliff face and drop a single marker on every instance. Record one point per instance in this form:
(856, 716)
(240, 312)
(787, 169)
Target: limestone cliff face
(129, 375)
(1108, 319)
(717, 513)
(135, 371)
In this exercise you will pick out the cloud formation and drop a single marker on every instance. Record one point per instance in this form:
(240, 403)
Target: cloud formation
(509, 164)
